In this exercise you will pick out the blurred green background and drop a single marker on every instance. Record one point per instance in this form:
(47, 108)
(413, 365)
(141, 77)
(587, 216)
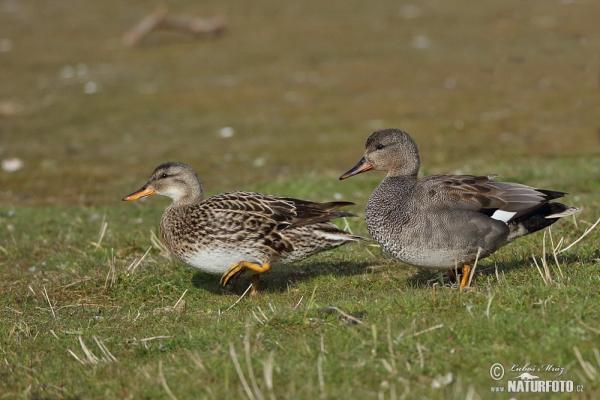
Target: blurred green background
(300, 84)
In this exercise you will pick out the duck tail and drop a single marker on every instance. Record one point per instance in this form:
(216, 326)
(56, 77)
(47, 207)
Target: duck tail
(539, 218)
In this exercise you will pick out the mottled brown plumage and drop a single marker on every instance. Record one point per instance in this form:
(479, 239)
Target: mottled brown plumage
(237, 231)
(444, 221)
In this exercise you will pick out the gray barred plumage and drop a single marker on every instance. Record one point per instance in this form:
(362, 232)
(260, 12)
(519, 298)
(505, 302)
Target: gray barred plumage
(445, 221)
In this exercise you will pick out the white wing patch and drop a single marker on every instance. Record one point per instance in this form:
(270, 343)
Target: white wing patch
(503, 216)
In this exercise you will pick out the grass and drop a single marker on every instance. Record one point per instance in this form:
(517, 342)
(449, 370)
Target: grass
(87, 311)
(82, 319)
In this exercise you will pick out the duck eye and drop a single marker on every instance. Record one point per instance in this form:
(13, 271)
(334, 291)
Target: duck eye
(164, 176)
(380, 146)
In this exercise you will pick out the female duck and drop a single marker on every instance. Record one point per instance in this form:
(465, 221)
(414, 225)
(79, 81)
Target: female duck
(239, 231)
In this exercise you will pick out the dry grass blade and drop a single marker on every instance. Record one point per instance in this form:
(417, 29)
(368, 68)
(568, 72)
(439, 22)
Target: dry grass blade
(195, 357)
(181, 298)
(163, 381)
(108, 357)
(588, 327)
(136, 263)
(343, 314)
(240, 298)
(49, 302)
(240, 373)
(539, 270)
(587, 231)
(157, 243)
(474, 267)
(91, 358)
(587, 367)
(104, 225)
(433, 328)
(490, 298)
(255, 388)
(268, 373)
(111, 275)
(391, 345)
(155, 338)
(320, 375)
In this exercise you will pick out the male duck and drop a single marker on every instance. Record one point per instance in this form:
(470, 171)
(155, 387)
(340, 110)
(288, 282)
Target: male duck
(237, 231)
(446, 221)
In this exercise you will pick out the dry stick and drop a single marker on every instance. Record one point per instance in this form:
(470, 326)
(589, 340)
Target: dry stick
(240, 373)
(48, 300)
(160, 20)
(144, 27)
(588, 230)
(163, 381)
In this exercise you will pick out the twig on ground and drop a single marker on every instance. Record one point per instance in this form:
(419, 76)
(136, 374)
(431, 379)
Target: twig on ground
(160, 19)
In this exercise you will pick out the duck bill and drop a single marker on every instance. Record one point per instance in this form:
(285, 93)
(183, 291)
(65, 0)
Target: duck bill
(143, 192)
(362, 166)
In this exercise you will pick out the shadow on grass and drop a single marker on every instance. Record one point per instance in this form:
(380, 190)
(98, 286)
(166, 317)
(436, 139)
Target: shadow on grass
(280, 278)
(426, 278)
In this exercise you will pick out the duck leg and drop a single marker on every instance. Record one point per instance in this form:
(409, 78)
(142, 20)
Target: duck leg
(240, 267)
(466, 271)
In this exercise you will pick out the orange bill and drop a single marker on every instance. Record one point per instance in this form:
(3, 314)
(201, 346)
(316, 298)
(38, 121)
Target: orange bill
(362, 166)
(143, 192)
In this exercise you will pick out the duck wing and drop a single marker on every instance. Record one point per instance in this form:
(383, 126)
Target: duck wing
(286, 211)
(504, 201)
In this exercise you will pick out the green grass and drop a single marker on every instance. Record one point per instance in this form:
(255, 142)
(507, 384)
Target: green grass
(504, 87)
(412, 328)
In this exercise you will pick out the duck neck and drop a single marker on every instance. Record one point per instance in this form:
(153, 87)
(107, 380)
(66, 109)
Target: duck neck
(192, 195)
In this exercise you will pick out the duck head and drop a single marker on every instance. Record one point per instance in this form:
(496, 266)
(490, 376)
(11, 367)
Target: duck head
(390, 150)
(172, 179)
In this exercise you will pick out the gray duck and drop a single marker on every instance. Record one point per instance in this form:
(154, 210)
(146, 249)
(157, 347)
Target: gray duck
(239, 232)
(446, 222)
